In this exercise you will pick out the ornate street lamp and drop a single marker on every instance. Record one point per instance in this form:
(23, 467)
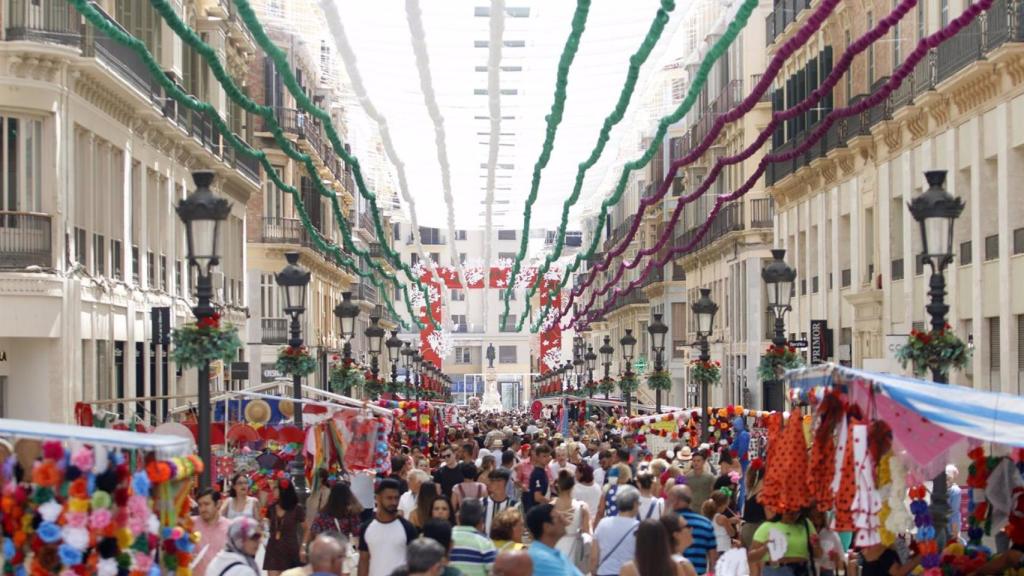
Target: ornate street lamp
(202, 212)
(417, 362)
(375, 340)
(936, 211)
(295, 280)
(394, 344)
(704, 309)
(591, 359)
(628, 343)
(347, 311)
(606, 351)
(657, 330)
(407, 364)
(779, 278)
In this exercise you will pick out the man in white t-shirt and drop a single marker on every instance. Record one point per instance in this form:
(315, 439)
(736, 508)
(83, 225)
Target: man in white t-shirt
(384, 538)
(561, 462)
(407, 503)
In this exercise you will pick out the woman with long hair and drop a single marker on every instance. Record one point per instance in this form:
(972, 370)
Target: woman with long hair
(586, 489)
(339, 514)
(680, 537)
(575, 544)
(753, 511)
(469, 487)
(653, 555)
(287, 529)
(424, 505)
(442, 510)
(240, 503)
(238, 557)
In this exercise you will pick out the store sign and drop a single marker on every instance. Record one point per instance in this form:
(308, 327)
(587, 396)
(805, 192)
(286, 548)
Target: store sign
(270, 373)
(819, 341)
(801, 344)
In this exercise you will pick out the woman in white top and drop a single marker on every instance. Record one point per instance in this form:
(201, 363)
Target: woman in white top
(240, 503)
(586, 489)
(725, 525)
(575, 544)
(651, 506)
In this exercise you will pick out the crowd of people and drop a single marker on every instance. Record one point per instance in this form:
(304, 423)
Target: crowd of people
(508, 495)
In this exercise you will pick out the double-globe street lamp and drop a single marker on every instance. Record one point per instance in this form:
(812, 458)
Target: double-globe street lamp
(375, 341)
(936, 211)
(202, 212)
(394, 344)
(347, 311)
(657, 330)
(295, 279)
(704, 310)
(779, 278)
(628, 343)
(591, 359)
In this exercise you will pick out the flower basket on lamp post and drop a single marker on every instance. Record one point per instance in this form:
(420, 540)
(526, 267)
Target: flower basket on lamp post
(295, 361)
(706, 371)
(777, 360)
(933, 350)
(204, 341)
(606, 386)
(660, 380)
(346, 378)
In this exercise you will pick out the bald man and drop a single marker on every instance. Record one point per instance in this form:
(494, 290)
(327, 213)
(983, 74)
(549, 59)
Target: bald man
(513, 563)
(326, 556)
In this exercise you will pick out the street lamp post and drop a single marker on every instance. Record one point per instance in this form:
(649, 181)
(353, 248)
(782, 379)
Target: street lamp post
(375, 340)
(347, 311)
(394, 344)
(606, 351)
(657, 331)
(628, 343)
(779, 278)
(202, 212)
(295, 279)
(417, 363)
(407, 364)
(591, 359)
(704, 310)
(936, 211)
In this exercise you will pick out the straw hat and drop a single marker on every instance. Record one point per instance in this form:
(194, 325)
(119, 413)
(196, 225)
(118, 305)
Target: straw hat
(684, 454)
(287, 408)
(257, 411)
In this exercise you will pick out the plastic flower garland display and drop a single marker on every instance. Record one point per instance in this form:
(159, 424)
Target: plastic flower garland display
(346, 377)
(204, 341)
(776, 360)
(85, 512)
(926, 544)
(933, 350)
(709, 371)
(295, 361)
(660, 380)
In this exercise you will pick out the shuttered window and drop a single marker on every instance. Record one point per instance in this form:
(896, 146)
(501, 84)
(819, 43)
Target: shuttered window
(995, 359)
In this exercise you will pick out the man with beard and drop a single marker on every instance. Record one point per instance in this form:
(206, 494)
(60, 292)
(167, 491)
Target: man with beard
(384, 538)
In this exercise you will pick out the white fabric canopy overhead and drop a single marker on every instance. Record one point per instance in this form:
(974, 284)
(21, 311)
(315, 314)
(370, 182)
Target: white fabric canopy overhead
(988, 416)
(163, 445)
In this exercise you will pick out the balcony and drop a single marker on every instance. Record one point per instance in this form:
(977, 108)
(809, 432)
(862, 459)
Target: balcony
(1003, 23)
(50, 22)
(25, 240)
(785, 13)
(366, 293)
(275, 330)
(290, 231)
(619, 233)
(629, 299)
(762, 213)
(729, 219)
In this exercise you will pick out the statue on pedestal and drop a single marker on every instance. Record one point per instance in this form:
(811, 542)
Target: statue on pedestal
(490, 355)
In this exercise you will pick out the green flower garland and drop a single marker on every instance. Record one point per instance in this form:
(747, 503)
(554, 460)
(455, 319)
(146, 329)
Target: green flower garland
(940, 350)
(204, 341)
(660, 380)
(295, 361)
(709, 371)
(606, 385)
(784, 357)
(346, 377)
(374, 387)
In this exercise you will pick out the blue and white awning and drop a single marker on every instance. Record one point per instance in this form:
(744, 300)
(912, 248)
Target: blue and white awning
(989, 416)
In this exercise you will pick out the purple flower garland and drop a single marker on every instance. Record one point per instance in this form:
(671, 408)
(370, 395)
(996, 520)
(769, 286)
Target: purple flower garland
(897, 78)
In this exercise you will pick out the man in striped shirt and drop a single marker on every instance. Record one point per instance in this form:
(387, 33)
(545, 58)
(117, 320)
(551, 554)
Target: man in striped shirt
(702, 553)
(472, 552)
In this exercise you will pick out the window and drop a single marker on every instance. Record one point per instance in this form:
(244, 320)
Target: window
(965, 253)
(141, 20)
(1018, 241)
(460, 234)
(871, 52)
(81, 250)
(20, 154)
(849, 77)
(506, 234)
(99, 255)
(463, 355)
(507, 355)
(944, 13)
(458, 295)
(163, 272)
(116, 261)
(991, 247)
(897, 52)
(920, 21)
(510, 323)
(506, 255)
(459, 323)
(462, 258)
(135, 264)
(150, 269)
(995, 360)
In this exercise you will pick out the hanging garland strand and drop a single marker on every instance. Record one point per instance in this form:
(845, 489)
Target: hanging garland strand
(348, 57)
(497, 26)
(414, 16)
(168, 13)
(636, 61)
(892, 19)
(872, 100)
(174, 91)
(280, 59)
(701, 78)
(554, 118)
